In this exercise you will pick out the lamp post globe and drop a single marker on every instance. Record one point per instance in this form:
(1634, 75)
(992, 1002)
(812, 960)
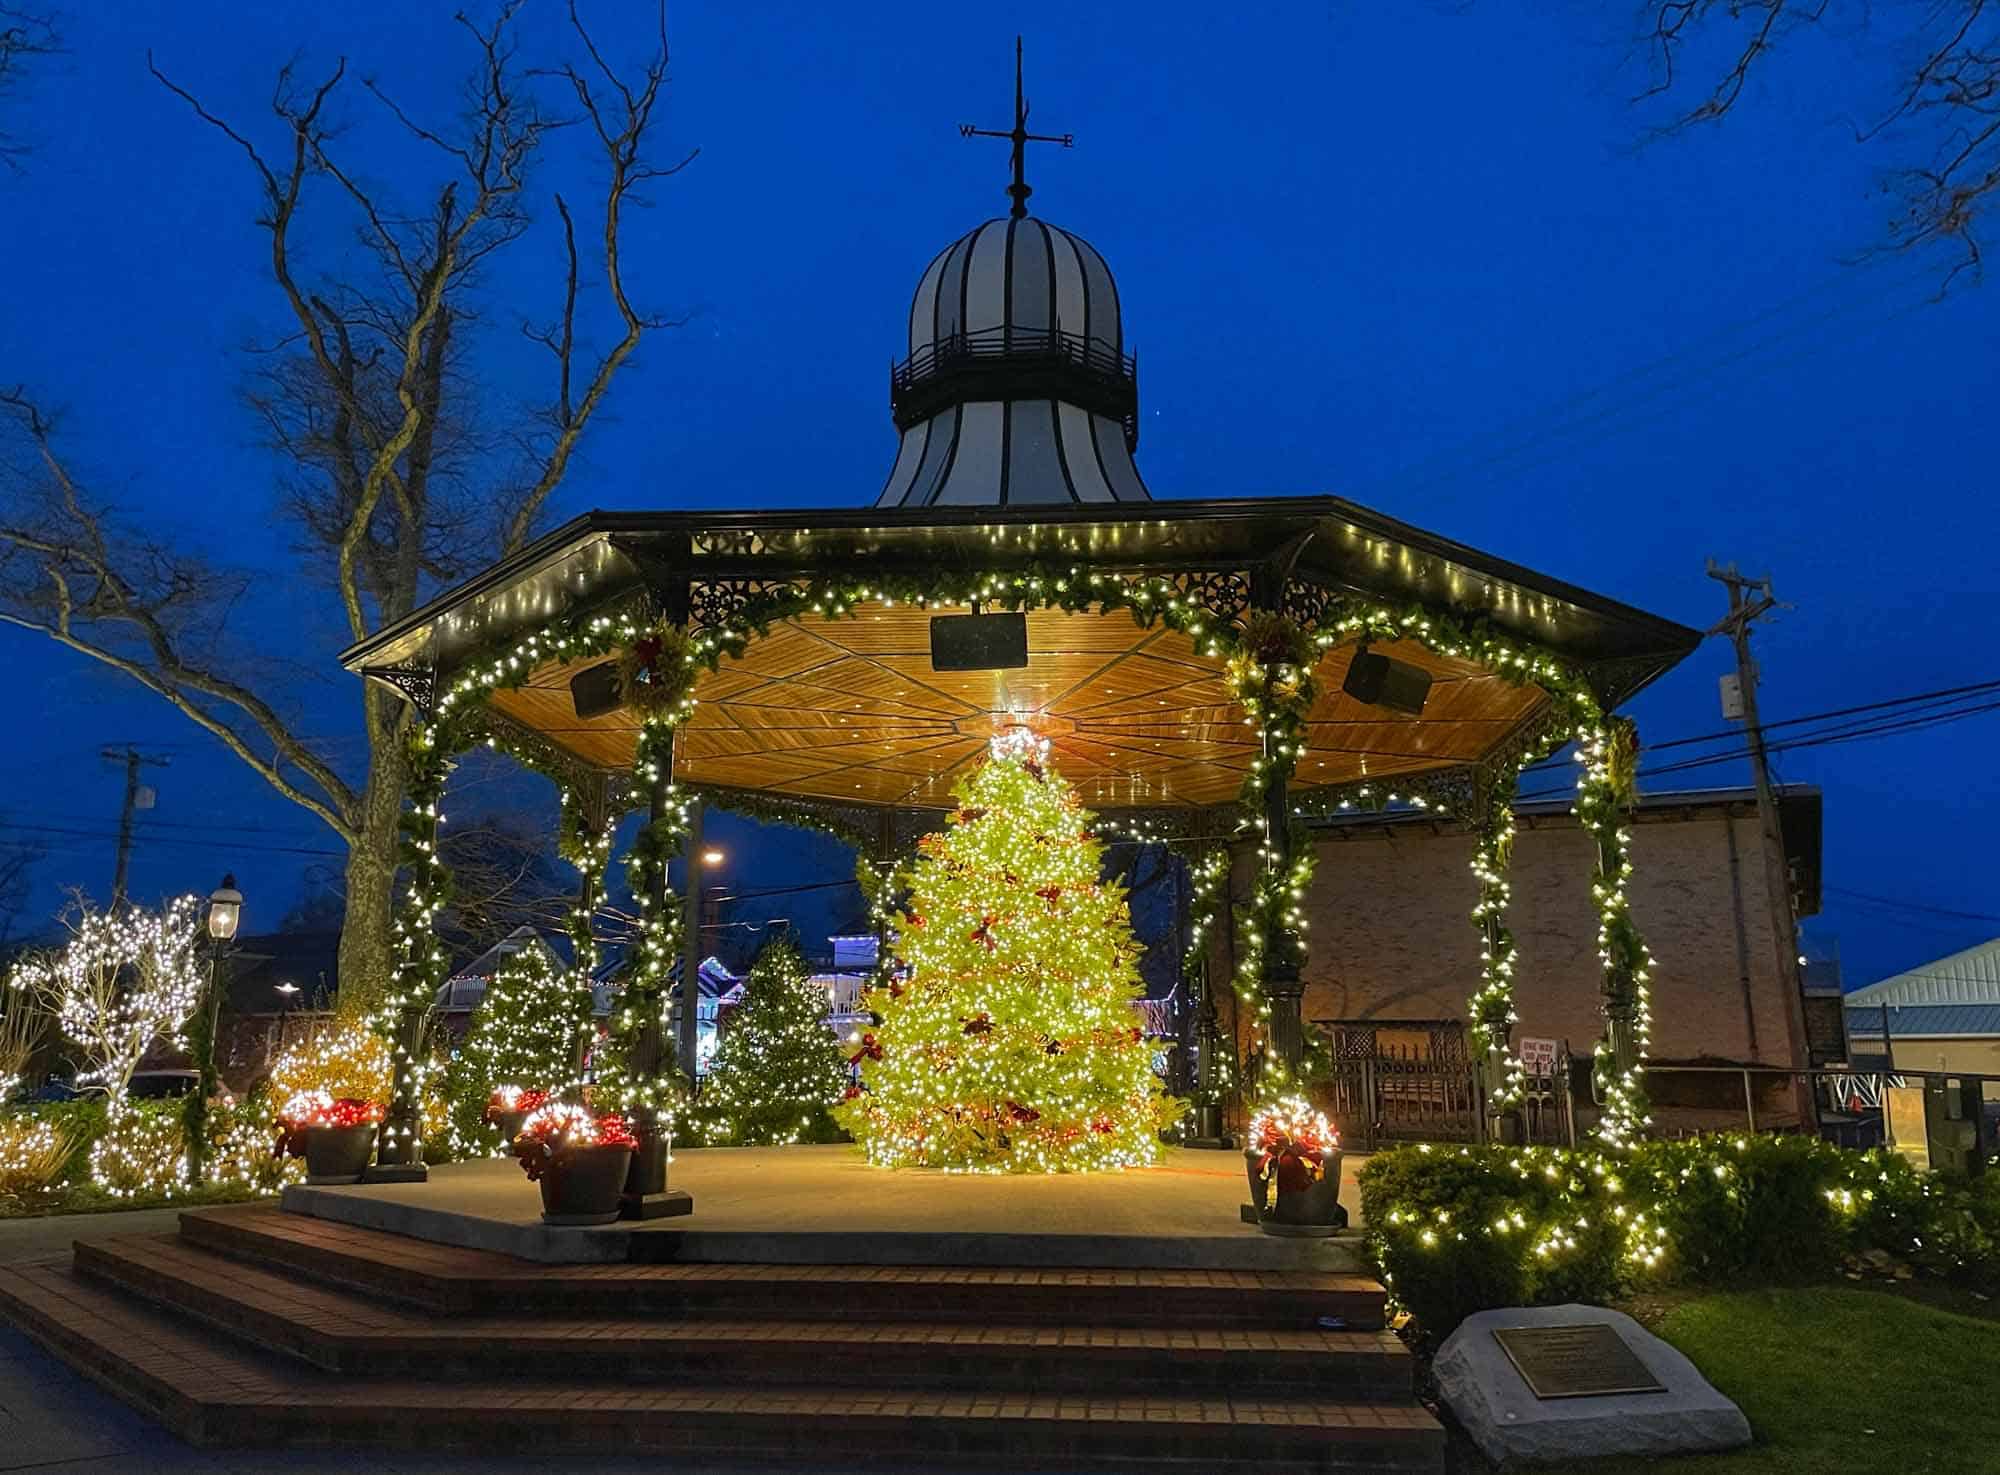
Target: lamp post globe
(225, 910)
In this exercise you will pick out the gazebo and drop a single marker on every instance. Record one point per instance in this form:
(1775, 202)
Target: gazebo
(1208, 671)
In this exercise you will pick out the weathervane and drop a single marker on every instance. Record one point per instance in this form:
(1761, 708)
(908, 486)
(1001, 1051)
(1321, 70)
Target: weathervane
(1018, 191)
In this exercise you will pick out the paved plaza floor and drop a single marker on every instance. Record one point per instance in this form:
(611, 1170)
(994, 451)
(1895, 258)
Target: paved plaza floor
(826, 1205)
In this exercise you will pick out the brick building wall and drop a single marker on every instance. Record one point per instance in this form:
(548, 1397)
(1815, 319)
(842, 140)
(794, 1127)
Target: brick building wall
(1390, 935)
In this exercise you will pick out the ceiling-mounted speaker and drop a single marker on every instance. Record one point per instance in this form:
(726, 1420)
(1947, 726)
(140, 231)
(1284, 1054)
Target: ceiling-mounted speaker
(1382, 681)
(979, 642)
(594, 691)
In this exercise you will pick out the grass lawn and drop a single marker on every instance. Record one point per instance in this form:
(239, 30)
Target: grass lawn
(1839, 1380)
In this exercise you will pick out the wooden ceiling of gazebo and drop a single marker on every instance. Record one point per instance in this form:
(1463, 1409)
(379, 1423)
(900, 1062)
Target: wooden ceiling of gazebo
(851, 710)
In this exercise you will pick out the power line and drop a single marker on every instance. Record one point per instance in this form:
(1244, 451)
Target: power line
(1737, 732)
(1911, 906)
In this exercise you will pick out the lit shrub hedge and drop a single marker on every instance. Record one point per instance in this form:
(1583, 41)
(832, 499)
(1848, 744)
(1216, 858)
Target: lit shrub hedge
(1454, 1230)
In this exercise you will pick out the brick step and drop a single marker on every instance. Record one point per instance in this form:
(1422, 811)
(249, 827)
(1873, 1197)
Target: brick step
(340, 1332)
(451, 1281)
(215, 1393)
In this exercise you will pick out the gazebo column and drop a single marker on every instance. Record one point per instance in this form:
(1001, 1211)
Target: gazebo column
(1283, 986)
(420, 966)
(1608, 790)
(589, 841)
(646, 1195)
(1493, 1012)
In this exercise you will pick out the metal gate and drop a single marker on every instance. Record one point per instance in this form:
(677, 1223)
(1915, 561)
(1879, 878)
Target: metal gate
(1381, 1094)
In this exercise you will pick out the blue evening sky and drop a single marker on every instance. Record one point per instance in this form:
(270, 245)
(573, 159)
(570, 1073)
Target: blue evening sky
(1410, 254)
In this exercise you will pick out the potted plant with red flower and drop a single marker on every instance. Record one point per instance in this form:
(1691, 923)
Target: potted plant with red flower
(579, 1158)
(336, 1137)
(509, 1106)
(1293, 1159)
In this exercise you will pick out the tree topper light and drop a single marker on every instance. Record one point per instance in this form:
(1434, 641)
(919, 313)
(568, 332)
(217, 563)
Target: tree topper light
(1020, 745)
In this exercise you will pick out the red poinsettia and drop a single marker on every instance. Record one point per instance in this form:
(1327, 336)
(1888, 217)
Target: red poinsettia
(321, 1109)
(1292, 1141)
(514, 1098)
(553, 1132)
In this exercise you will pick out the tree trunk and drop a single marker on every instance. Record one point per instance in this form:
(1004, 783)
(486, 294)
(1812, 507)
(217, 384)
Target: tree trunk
(367, 956)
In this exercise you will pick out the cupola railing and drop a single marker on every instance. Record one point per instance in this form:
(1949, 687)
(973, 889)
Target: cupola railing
(1008, 362)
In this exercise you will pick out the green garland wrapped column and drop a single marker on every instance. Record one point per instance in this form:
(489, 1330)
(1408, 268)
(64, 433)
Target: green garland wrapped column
(587, 828)
(1493, 1015)
(1604, 797)
(420, 959)
(1272, 678)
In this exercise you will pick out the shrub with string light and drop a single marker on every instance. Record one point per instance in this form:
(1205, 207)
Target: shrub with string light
(1012, 1045)
(143, 1152)
(779, 1067)
(34, 1154)
(527, 1032)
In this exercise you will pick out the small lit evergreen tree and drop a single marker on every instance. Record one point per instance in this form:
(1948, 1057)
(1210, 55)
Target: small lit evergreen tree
(528, 1030)
(779, 1067)
(1012, 1044)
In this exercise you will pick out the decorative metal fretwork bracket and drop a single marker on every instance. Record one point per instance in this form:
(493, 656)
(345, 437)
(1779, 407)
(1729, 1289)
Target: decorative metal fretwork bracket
(730, 543)
(1307, 602)
(417, 684)
(715, 603)
(1224, 593)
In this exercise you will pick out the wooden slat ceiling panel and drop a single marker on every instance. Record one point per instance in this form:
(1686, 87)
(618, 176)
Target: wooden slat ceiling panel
(850, 709)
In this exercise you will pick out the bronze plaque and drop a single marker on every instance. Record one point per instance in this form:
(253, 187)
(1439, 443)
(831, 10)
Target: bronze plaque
(1585, 1360)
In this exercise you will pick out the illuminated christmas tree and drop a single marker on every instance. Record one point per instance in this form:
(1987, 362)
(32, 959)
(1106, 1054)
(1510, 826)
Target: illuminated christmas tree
(1012, 1044)
(779, 1066)
(528, 1031)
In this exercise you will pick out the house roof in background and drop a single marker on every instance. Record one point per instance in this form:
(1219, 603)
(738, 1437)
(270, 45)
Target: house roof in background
(1970, 977)
(1924, 1021)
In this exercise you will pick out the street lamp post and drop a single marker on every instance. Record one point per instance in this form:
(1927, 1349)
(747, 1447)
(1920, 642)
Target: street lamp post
(225, 913)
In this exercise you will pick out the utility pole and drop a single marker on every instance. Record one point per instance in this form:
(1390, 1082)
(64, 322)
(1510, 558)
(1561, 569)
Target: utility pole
(1750, 600)
(133, 760)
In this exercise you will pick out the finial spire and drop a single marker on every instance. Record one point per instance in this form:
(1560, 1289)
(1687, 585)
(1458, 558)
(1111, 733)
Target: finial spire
(1018, 191)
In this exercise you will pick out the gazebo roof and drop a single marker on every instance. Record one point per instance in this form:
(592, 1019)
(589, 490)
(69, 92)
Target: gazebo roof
(850, 711)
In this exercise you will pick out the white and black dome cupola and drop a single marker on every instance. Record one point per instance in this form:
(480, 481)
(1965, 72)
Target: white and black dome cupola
(1018, 389)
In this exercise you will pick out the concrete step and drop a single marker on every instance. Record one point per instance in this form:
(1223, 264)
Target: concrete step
(213, 1392)
(341, 1332)
(449, 1280)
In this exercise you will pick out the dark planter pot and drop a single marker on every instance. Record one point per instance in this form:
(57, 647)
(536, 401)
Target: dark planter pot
(509, 1123)
(584, 1185)
(339, 1154)
(1208, 1123)
(1307, 1213)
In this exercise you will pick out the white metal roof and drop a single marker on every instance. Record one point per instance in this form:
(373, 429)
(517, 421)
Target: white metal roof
(1970, 977)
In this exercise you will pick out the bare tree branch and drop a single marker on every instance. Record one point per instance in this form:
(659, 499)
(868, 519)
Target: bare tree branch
(25, 37)
(1951, 93)
(622, 134)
